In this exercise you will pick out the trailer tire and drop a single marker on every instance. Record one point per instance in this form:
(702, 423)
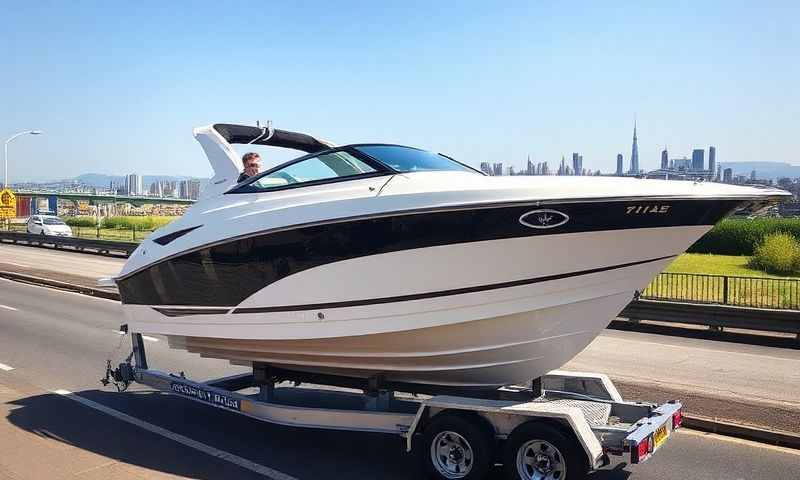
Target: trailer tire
(535, 447)
(456, 446)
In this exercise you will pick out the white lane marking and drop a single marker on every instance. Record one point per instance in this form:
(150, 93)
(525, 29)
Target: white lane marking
(15, 264)
(6, 368)
(57, 290)
(740, 441)
(145, 337)
(202, 447)
(8, 308)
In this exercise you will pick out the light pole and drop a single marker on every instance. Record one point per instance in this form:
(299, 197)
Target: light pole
(5, 152)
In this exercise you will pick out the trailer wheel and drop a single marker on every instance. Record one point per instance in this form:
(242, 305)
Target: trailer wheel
(536, 451)
(457, 447)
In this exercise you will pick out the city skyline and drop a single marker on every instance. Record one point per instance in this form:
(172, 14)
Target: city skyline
(124, 88)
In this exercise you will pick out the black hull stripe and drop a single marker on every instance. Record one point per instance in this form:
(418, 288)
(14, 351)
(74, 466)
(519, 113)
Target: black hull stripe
(183, 312)
(443, 293)
(228, 273)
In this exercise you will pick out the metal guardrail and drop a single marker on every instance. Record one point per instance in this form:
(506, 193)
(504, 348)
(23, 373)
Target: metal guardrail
(104, 247)
(717, 316)
(756, 292)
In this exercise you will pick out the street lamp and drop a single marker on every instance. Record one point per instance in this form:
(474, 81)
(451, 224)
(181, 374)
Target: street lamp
(5, 153)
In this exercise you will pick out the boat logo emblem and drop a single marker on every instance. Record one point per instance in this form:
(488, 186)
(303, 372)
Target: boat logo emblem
(544, 218)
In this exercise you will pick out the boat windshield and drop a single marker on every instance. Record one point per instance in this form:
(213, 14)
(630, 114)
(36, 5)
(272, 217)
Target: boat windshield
(407, 159)
(318, 169)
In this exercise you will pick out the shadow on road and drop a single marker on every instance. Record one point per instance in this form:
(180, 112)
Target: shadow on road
(302, 453)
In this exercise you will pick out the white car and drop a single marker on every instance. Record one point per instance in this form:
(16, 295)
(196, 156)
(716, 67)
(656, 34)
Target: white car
(48, 225)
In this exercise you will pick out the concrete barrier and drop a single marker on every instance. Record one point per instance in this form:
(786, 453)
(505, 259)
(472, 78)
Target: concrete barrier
(102, 247)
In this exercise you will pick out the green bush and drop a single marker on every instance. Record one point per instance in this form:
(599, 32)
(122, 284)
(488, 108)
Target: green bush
(778, 253)
(140, 223)
(80, 221)
(735, 236)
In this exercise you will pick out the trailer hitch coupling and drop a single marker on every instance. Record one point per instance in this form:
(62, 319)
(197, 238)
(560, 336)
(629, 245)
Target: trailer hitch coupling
(121, 377)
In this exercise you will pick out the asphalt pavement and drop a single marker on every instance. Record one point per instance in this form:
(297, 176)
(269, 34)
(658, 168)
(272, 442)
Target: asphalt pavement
(754, 384)
(73, 267)
(54, 341)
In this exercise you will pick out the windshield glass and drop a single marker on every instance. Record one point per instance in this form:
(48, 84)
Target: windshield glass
(52, 221)
(407, 159)
(323, 167)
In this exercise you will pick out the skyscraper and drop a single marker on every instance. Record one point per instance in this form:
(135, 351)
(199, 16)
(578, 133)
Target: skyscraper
(698, 161)
(577, 166)
(727, 175)
(712, 159)
(619, 165)
(485, 168)
(183, 188)
(133, 184)
(497, 169)
(194, 189)
(635, 152)
(664, 159)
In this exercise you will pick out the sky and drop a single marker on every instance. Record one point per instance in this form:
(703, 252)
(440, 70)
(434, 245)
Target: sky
(117, 88)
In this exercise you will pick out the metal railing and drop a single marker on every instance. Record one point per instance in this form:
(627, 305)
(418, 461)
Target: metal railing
(105, 247)
(756, 292)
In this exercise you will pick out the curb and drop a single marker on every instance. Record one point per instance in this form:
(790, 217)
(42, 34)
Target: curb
(762, 435)
(71, 287)
(703, 424)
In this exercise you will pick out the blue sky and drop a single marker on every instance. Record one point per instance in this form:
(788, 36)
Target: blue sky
(117, 88)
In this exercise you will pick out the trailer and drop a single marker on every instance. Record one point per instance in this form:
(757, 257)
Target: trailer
(560, 427)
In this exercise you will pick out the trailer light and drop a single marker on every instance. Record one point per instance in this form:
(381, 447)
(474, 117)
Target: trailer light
(677, 419)
(643, 448)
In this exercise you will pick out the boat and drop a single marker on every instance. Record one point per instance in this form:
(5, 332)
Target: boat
(387, 261)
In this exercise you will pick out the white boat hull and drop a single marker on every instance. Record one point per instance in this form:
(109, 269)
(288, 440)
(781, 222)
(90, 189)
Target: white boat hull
(477, 339)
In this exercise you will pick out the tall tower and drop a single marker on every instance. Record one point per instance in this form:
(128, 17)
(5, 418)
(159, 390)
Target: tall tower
(664, 159)
(619, 164)
(698, 162)
(712, 159)
(635, 152)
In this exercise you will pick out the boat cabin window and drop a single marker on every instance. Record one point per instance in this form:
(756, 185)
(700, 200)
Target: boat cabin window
(322, 167)
(407, 159)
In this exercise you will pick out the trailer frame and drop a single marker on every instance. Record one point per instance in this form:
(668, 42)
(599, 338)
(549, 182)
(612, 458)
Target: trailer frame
(584, 407)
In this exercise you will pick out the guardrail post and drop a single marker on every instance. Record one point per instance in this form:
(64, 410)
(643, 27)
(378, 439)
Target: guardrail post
(725, 290)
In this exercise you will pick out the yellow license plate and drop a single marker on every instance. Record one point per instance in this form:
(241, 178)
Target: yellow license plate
(660, 436)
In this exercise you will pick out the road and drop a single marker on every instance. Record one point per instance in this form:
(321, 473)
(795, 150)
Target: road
(57, 340)
(753, 384)
(81, 268)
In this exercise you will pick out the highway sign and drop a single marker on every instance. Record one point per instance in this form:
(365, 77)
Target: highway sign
(8, 204)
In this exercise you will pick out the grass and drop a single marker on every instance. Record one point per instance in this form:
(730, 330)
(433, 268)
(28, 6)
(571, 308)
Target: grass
(733, 265)
(757, 289)
(118, 234)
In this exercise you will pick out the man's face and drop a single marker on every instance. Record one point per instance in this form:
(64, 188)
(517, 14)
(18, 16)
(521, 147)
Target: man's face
(252, 166)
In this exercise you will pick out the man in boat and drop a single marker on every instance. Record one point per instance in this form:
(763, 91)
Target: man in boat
(252, 164)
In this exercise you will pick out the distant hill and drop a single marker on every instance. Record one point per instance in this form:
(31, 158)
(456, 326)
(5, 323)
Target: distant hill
(100, 180)
(764, 169)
